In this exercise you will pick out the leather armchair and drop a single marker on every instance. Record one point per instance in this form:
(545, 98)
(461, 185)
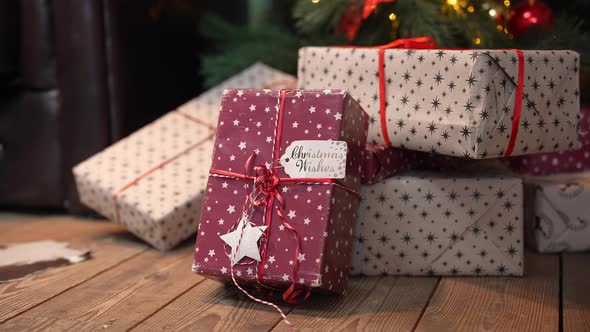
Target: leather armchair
(77, 75)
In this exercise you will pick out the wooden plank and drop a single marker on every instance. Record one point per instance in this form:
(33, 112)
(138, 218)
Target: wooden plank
(370, 304)
(109, 245)
(576, 292)
(18, 215)
(117, 299)
(530, 303)
(59, 228)
(213, 306)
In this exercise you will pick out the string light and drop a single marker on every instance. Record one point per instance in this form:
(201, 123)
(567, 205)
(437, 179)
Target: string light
(452, 2)
(315, 1)
(476, 41)
(499, 27)
(492, 12)
(507, 3)
(394, 24)
(470, 9)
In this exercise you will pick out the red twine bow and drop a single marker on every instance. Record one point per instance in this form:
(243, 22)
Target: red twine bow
(266, 185)
(265, 190)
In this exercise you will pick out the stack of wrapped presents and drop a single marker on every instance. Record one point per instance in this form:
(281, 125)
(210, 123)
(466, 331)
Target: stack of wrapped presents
(374, 161)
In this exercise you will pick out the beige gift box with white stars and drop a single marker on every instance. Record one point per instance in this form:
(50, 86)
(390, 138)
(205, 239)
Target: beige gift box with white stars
(430, 224)
(152, 182)
(457, 102)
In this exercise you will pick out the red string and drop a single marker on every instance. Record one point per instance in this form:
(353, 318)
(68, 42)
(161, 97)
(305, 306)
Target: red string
(270, 203)
(196, 120)
(266, 183)
(233, 277)
(417, 43)
(383, 97)
(277, 148)
(162, 164)
(310, 181)
(517, 105)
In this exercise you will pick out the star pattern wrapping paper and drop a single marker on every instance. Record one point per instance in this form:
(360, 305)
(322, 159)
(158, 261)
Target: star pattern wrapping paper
(557, 213)
(456, 102)
(322, 214)
(558, 162)
(431, 224)
(163, 206)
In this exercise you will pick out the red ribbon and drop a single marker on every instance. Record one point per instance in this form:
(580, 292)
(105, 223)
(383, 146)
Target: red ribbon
(254, 202)
(311, 181)
(415, 43)
(429, 43)
(411, 43)
(164, 163)
(517, 104)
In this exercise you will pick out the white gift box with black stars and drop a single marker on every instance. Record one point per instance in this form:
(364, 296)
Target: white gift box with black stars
(429, 224)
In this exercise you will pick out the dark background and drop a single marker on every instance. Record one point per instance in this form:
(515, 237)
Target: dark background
(77, 75)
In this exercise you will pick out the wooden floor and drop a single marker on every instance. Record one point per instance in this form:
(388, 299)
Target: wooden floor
(128, 286)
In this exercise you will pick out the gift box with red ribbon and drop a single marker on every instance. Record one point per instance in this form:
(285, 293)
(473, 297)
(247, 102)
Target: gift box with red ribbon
(425, 223)
(558, 162)
(152, 182)
(282, 196)
(473, 103)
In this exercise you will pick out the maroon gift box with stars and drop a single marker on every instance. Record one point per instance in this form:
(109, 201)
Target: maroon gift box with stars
(255, 129)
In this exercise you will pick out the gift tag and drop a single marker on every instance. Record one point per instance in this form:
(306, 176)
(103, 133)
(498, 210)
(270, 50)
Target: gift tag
(315, 159)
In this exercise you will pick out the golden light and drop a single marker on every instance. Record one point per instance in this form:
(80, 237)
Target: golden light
(470, 9)
(452, 2)
(499, 27)
(315, 1)
(476, 41)
(492, 12)
(507, 3)
(392, 17)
